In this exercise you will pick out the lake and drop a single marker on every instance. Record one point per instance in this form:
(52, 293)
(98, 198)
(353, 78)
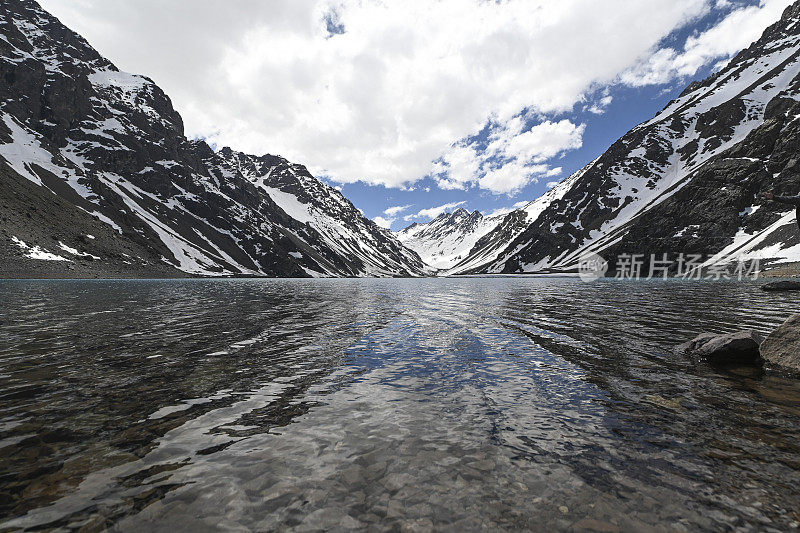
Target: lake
(503, 403)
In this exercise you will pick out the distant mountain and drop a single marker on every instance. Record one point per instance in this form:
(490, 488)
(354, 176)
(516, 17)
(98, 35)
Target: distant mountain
(506, 228)
(457, 241)
(685, 181)
(107, 150)
(447, 239)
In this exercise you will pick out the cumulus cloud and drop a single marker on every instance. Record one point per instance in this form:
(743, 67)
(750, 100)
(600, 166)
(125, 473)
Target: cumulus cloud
(376, 91)
(515, 156)
(509, 177)
(391, 215)
(396, 210)
(734, 32)
(433, 212)
(383, 222)
(367, 90)
(538, 144)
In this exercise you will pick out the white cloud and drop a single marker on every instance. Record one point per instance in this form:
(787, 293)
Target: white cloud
(511, 177)
(391, 216)
(393, 92)
(383, 222)
(542, 142)
(433, 212)
(459, 167)
(396, 210)
(599, 107)
(513, 158)
(554, 172)
(734, 32)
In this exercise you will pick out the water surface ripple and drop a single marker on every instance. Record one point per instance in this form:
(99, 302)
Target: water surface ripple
(510, 403)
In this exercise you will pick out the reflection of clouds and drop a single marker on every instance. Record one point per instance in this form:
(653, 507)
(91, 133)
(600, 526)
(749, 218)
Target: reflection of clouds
(479, 402)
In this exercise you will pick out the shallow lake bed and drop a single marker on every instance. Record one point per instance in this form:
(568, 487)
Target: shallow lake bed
(447, 403)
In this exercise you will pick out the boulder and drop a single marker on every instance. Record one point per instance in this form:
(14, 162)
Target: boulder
(781, 286)
(782, 346)
(730, 348)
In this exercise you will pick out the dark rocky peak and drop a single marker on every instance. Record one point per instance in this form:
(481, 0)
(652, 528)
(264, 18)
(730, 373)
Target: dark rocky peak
(442, 218)
(27, 27)
(475, 216)
(409, 227)
(463, 219)
(451, 217)
(44, 58)
(200, 149)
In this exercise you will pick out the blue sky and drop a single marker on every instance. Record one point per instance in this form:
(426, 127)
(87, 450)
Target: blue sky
(629, 106)
(413, 108)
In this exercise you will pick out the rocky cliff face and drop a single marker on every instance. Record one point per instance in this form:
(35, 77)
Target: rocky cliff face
(685, 181)
(110, 145)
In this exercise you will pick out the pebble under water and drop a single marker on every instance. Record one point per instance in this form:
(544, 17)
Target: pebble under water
(414, 404)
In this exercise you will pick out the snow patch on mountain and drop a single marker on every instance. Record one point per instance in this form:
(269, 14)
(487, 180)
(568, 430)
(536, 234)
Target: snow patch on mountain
(36, 252)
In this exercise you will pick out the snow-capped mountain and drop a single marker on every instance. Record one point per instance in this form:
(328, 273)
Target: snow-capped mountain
(506, 228)
(460, 240)
(338, 223)
(107, 150)
(686, 181)
(447, 239)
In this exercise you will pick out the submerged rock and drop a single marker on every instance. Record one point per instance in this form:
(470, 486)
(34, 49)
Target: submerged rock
(784, 285)
(782, 346)
(739, 347)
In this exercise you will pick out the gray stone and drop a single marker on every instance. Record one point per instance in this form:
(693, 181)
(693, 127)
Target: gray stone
(782, 346)
(689, 347)
(739, 347)
(782, 286)
(395, 482)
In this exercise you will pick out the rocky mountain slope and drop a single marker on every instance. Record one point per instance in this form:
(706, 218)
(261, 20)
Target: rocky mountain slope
(109, 148)
(686, 181)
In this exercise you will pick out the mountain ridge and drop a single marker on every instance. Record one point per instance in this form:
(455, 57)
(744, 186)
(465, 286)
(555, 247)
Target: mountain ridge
(447, 239)
(111, 144)
(726, 138)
